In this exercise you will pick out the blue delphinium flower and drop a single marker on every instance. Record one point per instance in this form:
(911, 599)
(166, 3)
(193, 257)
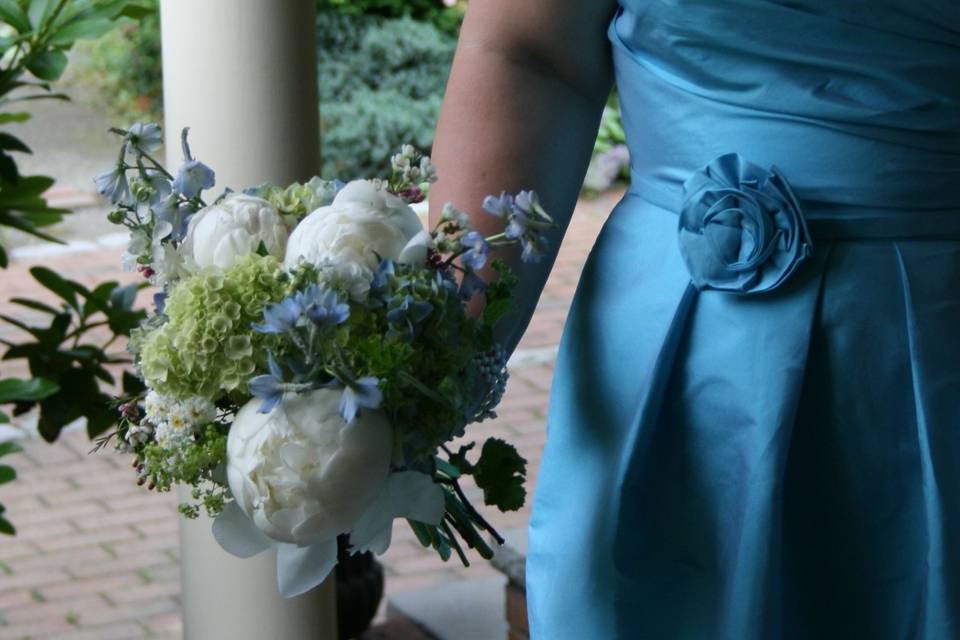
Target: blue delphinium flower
(113, 185)
(192, 178)
(146, 137)
(176, 213)
(533, 247)
(280, 317)
(159, 302)
(516, 225)
(501, 207)
(381, 278)
(363, 393)
(322, 306)
(406, 313)
(268, 387)
(470, 285)
(478, 250)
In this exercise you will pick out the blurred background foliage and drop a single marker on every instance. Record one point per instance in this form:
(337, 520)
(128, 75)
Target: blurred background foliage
(67, 353)
(383, 66)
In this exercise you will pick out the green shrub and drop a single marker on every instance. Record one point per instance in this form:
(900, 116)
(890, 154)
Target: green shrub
(125, 67)
(446, 18)
(381, 85)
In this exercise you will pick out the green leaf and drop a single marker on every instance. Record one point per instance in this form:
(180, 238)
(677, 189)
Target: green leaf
(132, 385)
(16, 390)
(459, 459)
(7, 474)
(7, 118)
(138, 12)
(6, 527)
(12, 143)
(4, 261)
(39, 11)
(49, 65)
(36, 305)
(8, 447)
(262, 250)
(13, 15)
(8, 168)
(447, 468)
(52, 281)
(4, 418)
(501, 472)
(82, 30)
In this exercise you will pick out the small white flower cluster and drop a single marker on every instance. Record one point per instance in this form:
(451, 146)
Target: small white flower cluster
(406, 165)
(450, 242)
(139, 434)
(175, 421)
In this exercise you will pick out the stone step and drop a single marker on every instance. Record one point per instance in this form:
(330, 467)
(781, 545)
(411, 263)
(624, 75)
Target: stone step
(465, 610)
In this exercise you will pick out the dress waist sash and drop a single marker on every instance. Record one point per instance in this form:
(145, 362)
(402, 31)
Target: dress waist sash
(830, 220)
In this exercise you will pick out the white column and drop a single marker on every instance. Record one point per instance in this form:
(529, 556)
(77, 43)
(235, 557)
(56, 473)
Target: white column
(242, 75)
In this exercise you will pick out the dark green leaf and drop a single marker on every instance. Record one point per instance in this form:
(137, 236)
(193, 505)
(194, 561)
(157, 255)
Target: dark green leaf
(8, 168)
(4, 261)
(36, 305)
(4, 418)
(35, 96)
(28, 187)
(132, 385)
(49, 65)
(262, 250)
(501, 473)
(104, 375)
(138, 12)
(16, 390)
(420, 530)
(7, 474)
(12, 143)
(52, 281)
(459, 459)
(13, 15)
(8, 447)
(6, 527)
(82, 30)
(495, 310)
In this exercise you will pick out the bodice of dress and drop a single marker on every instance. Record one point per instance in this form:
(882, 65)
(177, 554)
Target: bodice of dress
(856, 102)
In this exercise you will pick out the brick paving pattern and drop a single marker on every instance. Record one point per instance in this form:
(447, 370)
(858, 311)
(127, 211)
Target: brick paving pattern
(96, 556)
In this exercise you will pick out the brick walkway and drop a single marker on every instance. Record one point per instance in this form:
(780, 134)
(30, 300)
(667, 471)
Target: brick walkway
(96, 556)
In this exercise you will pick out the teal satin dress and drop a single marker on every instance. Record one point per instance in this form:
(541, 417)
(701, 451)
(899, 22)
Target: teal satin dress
(754, 427)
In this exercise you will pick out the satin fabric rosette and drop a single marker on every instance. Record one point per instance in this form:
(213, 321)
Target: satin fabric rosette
(741, 227)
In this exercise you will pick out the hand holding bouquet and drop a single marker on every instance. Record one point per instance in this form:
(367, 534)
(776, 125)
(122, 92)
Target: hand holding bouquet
(310, 357)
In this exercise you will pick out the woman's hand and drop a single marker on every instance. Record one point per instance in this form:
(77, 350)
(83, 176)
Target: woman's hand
(523, 104)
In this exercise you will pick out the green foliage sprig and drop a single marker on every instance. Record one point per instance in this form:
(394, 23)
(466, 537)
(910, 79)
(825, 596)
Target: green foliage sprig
(63, 352)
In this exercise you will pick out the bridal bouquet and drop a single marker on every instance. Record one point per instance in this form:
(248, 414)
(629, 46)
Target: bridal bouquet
(310, 357)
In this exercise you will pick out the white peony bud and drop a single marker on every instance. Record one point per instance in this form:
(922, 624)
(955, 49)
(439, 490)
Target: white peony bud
(235, 227)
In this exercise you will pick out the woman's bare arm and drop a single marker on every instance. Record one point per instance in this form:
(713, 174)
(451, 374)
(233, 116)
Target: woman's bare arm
(521, 111)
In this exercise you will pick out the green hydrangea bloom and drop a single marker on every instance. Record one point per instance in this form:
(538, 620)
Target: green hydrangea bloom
(298, 200)
(208, 346)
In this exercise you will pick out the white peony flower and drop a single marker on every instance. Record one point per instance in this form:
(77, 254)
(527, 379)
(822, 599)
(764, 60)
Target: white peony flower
(300, 472)
(302, 476)
(236, 226)
(363, 222)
